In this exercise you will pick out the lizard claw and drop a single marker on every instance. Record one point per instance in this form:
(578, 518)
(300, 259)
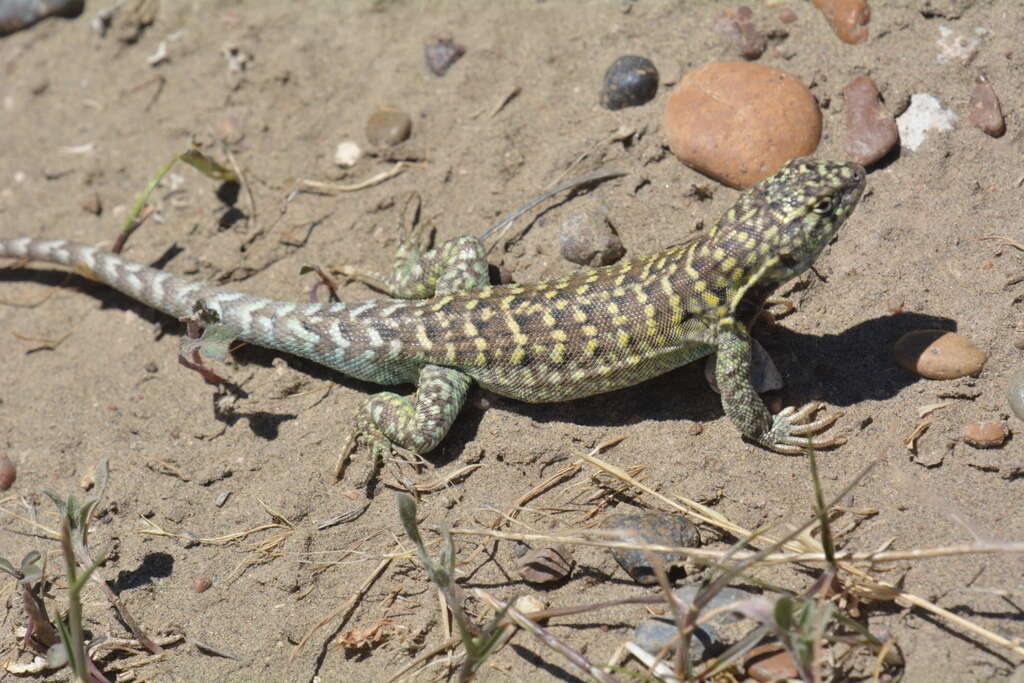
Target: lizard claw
(793, 433)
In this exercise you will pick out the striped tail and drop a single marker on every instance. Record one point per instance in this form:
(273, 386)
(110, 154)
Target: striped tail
(165, 292)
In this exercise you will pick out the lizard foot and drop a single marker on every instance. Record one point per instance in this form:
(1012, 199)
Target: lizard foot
(381, 451)
(793, 432)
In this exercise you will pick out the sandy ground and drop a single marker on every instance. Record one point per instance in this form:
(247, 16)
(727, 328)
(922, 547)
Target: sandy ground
(83, 115)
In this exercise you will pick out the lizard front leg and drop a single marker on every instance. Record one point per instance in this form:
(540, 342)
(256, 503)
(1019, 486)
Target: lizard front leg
(788, 432)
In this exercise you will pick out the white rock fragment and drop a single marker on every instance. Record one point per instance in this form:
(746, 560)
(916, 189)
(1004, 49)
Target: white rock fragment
(347, 154)
(924, 114)
(956, 46)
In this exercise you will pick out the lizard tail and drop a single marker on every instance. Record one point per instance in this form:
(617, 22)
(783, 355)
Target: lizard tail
(165, 292)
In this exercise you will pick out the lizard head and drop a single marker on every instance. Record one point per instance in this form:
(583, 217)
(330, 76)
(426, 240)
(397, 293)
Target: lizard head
(778, 228)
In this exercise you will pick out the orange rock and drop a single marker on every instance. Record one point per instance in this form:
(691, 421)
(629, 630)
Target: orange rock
(985, 434)
(847, 18)
(770, 662)
(938, 354)
(739, 122)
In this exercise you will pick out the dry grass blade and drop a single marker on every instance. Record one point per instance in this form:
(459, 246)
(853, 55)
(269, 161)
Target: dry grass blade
(344, 610)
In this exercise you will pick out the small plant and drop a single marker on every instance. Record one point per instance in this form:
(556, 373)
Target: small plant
(478, 643)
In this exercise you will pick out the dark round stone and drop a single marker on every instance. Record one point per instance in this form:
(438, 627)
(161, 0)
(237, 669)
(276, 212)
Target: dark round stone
(629, 82)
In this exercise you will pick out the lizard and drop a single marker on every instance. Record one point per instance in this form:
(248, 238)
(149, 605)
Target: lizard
(444, 326)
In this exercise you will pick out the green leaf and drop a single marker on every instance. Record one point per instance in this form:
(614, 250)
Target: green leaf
(31, 567)
(214, 343)
(208, 167)
(784, 607)
(6, 566)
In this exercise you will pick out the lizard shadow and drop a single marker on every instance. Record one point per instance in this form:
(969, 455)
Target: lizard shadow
(840, 369)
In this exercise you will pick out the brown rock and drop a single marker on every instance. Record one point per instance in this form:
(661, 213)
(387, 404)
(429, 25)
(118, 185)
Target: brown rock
(985, 434)
(847, 18)
(388, 126)
(871, 130)
(546, 565)
(736, 23)
(650, 528)
(202, 584)
(739, 122)
(92, 203)
(770, 662)
(8, 472)
(787, 15)
(587, 238)
(986, 112)
(938, 354)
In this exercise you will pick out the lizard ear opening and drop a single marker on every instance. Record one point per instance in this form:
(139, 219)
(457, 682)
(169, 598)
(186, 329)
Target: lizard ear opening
(823, 206)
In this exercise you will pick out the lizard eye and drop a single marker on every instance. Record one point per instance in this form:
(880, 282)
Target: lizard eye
(822, 206)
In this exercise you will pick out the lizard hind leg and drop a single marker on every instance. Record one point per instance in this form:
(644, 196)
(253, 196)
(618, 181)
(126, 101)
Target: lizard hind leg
(389, 422)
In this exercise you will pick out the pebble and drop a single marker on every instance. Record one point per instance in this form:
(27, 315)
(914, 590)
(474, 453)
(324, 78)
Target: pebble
(763, 372)
(587, 238)
(388, 127)
(989, 434)
(738, 122)
(1015, 394)
(202, 584)
(847, 18)
(441, 54)
(770, 662)
(92, 204)
(924, 115)
(787, 15)
(18, 14)
(986, 112)
(722, 598)
(654, 528)
(548, 564)
(347, 153)
(629, 82)
(938, 354)
(654, 634)
(871, 131)
(529, 603)
(736, 23)
(8, 472)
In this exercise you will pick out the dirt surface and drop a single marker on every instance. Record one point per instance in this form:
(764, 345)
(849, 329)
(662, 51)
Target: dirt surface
(84, 116)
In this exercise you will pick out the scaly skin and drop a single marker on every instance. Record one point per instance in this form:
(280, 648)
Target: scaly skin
(594, 331)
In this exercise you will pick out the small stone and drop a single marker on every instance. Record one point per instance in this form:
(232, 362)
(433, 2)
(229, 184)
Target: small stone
(847, 18)
(18, 14)
(736, 23)
(985, 434)
(388, 127)
(1015, 394)
(8, 472)
(529, 603)
(787, 15)
(1018, 343)
(347, 153)
(629, 82)
(654, 634)
(723, 598)
(770, 662)
(441, 54)
(548, 564)
(871, 131)
(650, 528)
(986, 112)
(202, 584)
(92, 204)
(739, 122)
(764, 374)
(938, 354)
(695, 429)
(587, 238)
(924, 115)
